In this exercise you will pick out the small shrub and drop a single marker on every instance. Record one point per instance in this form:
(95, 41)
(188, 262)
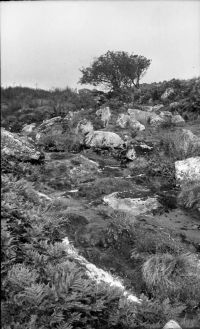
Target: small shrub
(178, 145)
(189, 197)
(167, 274)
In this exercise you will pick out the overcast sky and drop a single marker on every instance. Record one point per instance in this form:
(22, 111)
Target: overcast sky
(47, 42)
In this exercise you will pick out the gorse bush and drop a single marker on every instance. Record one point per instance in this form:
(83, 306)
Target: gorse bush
(180, 144)
(189, 197)
(171, 274)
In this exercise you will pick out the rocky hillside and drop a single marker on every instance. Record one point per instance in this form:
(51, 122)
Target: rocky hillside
(101, 208)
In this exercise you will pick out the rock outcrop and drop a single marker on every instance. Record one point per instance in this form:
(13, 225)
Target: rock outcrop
(19, 147)
(103, 139)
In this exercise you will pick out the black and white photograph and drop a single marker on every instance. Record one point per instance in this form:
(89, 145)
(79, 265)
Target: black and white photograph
(100, 164)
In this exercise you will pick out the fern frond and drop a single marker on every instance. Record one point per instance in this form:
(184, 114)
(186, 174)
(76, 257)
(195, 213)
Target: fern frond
(22, 276)
(56, 317)
(34, 294)
(64, 325)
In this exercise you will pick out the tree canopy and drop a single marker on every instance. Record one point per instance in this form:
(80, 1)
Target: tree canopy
(115, 70)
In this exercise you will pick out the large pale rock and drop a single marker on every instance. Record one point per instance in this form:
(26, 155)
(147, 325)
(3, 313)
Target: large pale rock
(101, 139)
(84, 127)
(20, 147)
(168, 92)
(51, 127)
(105, 115)
(172, 325)
(188, 170)
(134, 206)
(177, 120)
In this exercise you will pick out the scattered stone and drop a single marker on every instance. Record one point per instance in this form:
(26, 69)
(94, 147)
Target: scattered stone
(178, 120)
(131, 154)
(172, 325)
(135, 206)
(18, 146)
(103, 139)
(188, 170)
(174, 105)
(105, 115)
(28, 129)
(168, 92)
(70, 115)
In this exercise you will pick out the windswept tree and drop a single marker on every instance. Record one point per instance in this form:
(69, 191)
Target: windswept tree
(116, 70)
